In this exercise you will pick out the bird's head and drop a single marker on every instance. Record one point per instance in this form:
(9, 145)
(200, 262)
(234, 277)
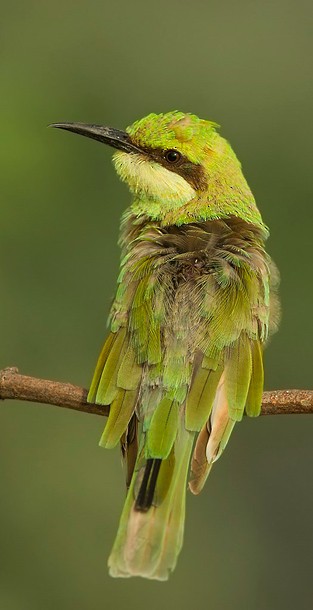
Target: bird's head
(177, 166)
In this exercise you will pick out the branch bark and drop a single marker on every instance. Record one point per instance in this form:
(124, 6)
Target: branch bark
(14, 386)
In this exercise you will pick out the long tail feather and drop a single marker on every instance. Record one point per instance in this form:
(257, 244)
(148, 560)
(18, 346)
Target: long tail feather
(149, 540)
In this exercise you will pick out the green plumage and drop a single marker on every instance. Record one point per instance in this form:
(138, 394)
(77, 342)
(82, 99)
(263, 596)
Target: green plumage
(162, 430)
(238, 372)
(201, 396)
(194, 305)
(194, 311)
(254, 398)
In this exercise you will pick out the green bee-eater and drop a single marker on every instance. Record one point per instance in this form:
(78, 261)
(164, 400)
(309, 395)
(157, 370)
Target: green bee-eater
(195, 303)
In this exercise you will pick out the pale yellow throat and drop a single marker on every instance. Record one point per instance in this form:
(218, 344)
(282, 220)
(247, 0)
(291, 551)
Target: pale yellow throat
(150, 180)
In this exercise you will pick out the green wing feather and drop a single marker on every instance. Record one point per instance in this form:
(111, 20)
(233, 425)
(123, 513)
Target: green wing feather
(254, 398)
(121, 411)
(238, 370)
(163, 429)
(116, 383)
(100, 366)
(104, 386)
(201, 396)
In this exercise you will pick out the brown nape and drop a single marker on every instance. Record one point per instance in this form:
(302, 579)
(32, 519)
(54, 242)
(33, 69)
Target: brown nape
(146, 492)
(193, 173)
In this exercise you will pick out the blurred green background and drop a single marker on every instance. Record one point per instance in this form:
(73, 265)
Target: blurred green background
(248, 66)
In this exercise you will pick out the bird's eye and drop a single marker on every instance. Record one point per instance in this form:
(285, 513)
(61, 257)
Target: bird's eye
(172, 156)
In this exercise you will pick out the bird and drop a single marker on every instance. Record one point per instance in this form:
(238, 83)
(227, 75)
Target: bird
(196, 301)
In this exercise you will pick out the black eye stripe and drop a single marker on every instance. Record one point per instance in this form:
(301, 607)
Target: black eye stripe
(191, 172)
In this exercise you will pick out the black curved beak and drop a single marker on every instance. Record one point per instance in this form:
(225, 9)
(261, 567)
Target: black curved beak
(108, 135)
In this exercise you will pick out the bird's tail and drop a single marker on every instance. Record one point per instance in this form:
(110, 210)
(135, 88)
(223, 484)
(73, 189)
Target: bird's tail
(151, 528)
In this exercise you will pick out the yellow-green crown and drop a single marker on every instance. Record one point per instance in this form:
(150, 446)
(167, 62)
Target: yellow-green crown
(184, 131)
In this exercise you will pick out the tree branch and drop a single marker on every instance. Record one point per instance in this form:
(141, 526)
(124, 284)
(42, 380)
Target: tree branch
(21, 387)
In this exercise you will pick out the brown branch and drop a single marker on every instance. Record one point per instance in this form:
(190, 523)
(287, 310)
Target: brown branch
(20, 387)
